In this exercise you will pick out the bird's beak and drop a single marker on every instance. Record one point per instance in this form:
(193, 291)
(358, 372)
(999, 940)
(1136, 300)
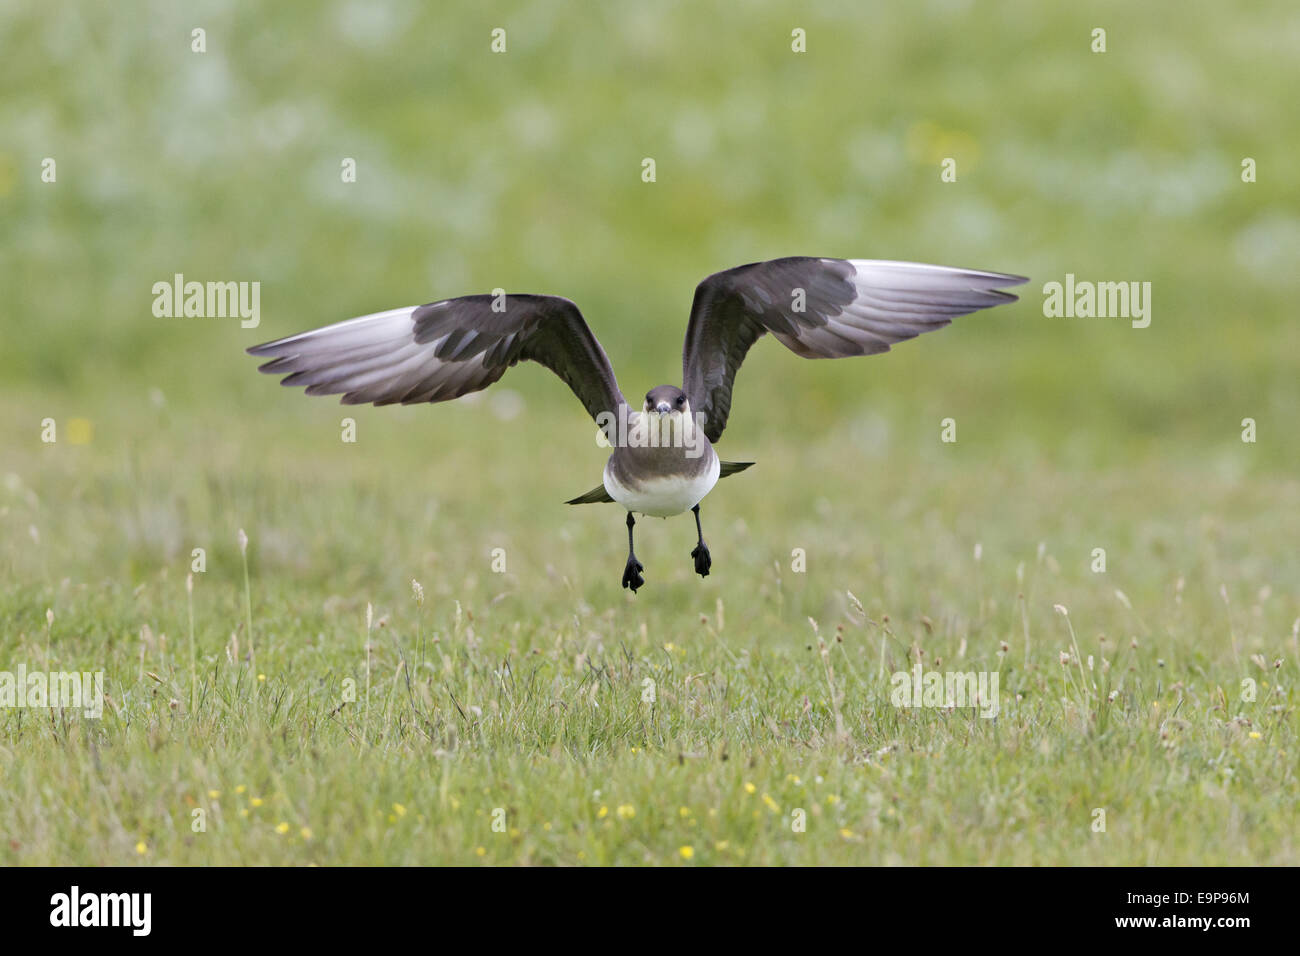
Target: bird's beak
(663, 408)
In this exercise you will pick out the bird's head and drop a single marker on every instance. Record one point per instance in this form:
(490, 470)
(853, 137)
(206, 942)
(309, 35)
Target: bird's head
(667, 400)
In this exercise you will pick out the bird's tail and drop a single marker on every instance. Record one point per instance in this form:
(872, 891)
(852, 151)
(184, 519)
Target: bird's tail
(732, 467)
(598, 494)
(593, 497)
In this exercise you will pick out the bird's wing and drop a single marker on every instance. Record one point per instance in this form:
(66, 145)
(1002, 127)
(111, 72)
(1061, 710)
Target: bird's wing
(441, 351)
(819, 308)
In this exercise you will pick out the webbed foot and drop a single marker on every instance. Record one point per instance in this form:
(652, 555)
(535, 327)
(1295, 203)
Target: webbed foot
(703, 560)
(632, 574)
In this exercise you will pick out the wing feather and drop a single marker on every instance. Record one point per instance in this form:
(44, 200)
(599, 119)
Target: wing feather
(819, 308)
(443, 350)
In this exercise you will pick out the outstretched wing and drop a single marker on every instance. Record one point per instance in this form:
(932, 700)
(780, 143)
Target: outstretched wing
(441, 351)
(819, 308)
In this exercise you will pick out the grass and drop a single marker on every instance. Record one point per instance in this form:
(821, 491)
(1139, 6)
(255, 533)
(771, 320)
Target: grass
(300, 694)
(526, 690)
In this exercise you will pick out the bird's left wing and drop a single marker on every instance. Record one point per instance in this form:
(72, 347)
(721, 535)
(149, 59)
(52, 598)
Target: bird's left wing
(441, 351)
(819, 308)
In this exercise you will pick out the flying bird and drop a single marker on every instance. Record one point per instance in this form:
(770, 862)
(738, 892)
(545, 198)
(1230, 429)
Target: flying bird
(663, 462)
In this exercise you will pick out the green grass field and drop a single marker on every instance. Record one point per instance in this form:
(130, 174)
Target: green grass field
(505, 717)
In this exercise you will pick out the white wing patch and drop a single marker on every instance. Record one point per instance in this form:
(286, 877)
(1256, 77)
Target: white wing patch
(897, 301)
(374, 358)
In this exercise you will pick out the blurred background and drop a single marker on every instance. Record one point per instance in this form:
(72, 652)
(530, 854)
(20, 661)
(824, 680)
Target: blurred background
(522, 170)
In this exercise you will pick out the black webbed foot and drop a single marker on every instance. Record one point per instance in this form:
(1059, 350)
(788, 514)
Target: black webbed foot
(632, 574)
(703, 560)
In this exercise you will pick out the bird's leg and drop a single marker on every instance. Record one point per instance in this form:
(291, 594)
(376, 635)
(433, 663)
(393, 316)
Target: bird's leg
(632, 573)
(703, 560)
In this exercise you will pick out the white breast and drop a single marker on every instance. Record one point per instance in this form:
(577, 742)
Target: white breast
(664, 497)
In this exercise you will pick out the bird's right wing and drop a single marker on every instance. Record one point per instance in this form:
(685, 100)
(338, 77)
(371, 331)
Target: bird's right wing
(441, 351)
(819, 308)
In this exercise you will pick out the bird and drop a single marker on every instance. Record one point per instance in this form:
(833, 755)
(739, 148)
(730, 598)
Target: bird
(663, 461)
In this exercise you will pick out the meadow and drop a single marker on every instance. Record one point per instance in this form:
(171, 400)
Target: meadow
(422, 656)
